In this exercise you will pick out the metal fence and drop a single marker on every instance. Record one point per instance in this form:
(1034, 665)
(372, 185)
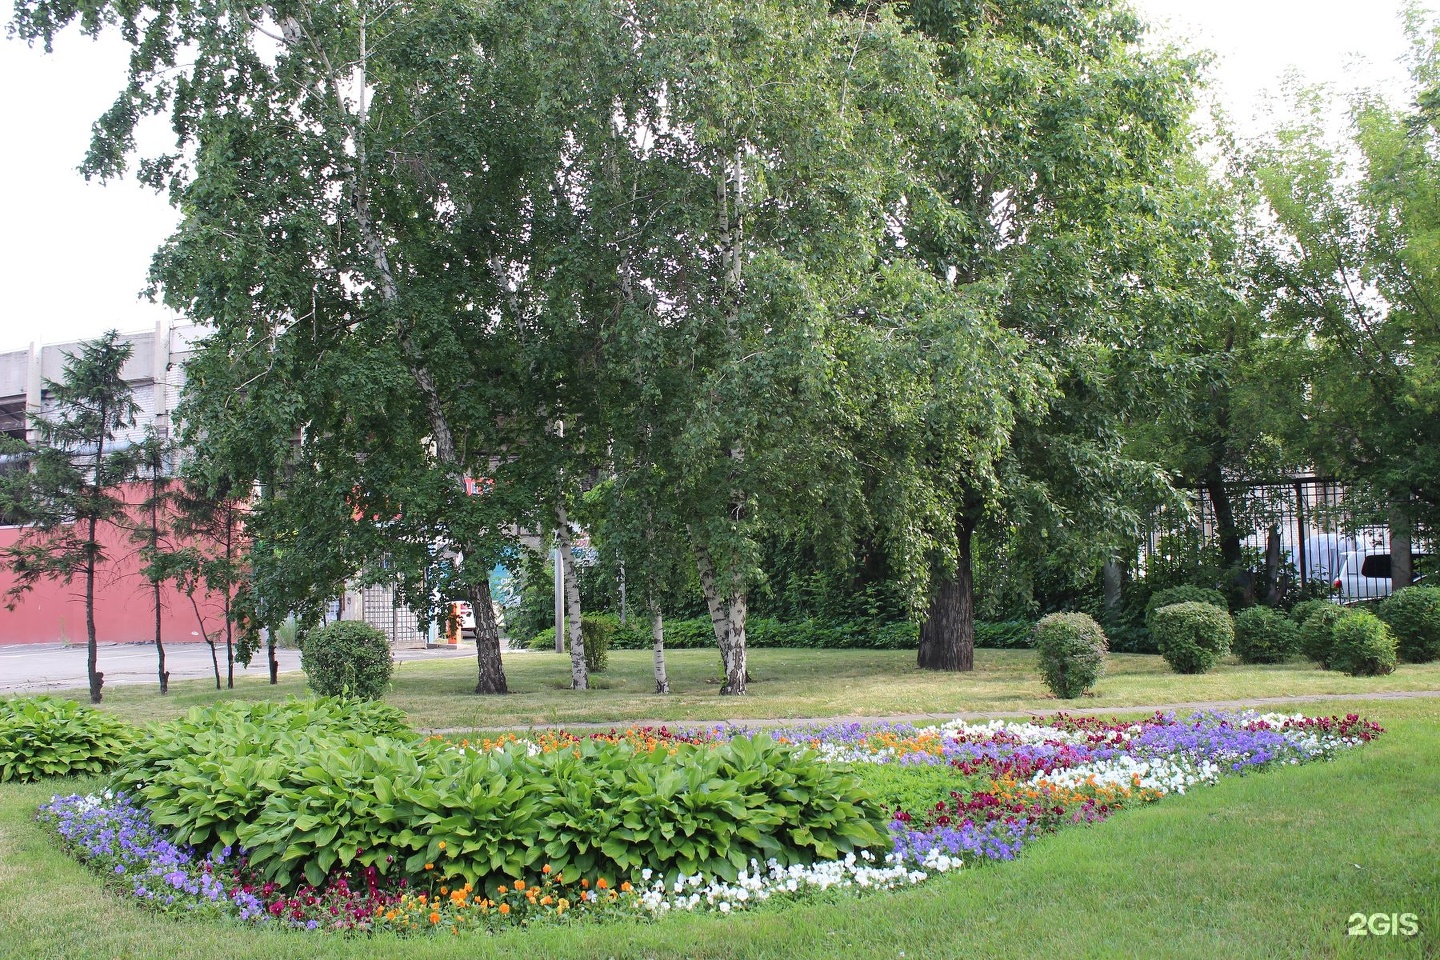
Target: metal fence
(1321, 538)
(383, 611)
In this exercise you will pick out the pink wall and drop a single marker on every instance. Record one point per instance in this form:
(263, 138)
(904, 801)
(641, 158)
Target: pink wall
(124, 602)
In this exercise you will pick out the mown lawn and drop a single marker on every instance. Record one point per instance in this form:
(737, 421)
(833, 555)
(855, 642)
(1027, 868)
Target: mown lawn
(787, 683)
(1270, 865)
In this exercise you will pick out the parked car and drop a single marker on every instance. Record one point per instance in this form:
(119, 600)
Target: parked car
(1365, 576)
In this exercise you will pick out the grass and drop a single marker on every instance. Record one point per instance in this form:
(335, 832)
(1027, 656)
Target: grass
(1270, 865)
(438, 694)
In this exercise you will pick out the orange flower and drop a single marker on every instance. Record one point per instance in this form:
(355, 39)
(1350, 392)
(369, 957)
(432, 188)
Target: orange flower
(546, 901)
(444, 890)
(584, 883)
(519, 884)
(504, 908)
(546, 868)
(502, 889)
(601, 884)
(429, 866)
(625, 887)
(434, 917)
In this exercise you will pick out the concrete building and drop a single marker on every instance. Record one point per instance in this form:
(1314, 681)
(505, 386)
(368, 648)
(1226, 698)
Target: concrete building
(155, 373)
(125, 610)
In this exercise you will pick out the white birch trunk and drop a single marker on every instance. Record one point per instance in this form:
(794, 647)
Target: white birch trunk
(579, 673)
(657, 634)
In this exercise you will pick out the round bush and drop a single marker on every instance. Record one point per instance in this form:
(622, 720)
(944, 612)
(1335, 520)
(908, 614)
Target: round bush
(347, 659)
(1192, 636)
(1363, 645)
(1264, 636)
(1183, 594)
(1072, 651)
(1317, 633)
(1413, 615)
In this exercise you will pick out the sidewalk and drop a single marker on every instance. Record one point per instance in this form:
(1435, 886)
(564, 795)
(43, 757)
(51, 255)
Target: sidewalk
(38, 667)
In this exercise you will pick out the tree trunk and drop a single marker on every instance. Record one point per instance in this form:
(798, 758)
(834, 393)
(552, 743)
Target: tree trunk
(270, 654)
(737, 672)
(159, 646)
(719, 616)
(155, 583)
(947, 637)
(579, 672)
(1276, 580)
(1402, 561)
(657, 634)
(229, 645)
(487, 641)
(1224, 518)
(1112, 575)
(92, 648)
(205, 634)
(727, 619)
(229, 509)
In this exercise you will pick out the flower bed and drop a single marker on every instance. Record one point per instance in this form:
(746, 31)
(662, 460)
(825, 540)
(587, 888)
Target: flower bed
(953, 794)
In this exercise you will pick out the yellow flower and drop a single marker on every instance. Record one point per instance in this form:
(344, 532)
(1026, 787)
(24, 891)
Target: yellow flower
(442, 844)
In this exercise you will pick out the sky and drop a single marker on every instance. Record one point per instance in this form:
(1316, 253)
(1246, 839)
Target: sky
(74, 255)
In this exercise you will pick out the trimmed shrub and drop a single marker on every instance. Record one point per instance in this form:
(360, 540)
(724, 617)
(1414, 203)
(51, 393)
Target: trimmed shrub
(1192, 636)
(765, 632)
(1182, 594)
(1317, 633)
(348, 658)
(1005, 635)
(1263, 635)
(1363, 645)
(307, 799)
(1413, 615)
(1072, 651)
(595, 632)
(48, 737)
(1303, 610)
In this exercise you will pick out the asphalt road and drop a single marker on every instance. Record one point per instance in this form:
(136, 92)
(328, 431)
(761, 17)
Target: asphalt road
(38, 667)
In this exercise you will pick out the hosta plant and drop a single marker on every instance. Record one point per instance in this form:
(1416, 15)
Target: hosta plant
(48, 737)
(305, 799)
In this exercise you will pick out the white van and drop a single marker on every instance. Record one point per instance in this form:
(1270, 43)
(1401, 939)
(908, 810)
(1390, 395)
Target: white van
(1365, 576)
